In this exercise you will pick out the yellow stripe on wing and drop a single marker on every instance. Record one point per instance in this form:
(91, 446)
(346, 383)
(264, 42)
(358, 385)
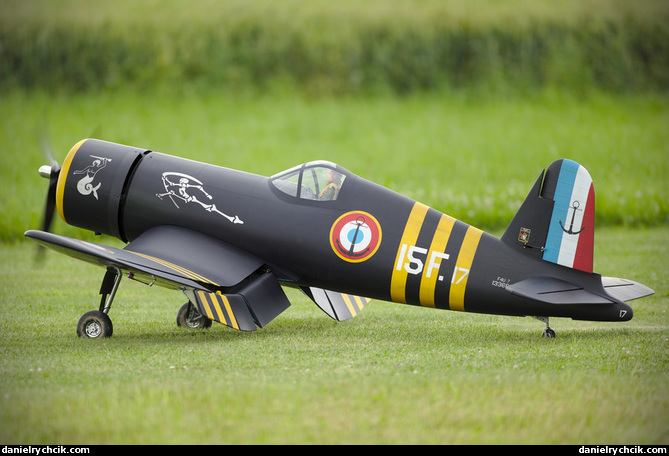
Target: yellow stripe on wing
(428, 282)
(181, 270)
(205, 303)
(228, 309)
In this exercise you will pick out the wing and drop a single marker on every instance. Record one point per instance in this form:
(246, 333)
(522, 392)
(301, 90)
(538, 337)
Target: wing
(228, 285)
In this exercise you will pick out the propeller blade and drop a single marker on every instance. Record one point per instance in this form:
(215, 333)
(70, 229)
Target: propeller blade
(50, 171)
(50, 205)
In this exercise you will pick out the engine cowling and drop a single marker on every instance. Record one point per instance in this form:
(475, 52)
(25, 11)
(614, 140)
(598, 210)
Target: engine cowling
(92, 182)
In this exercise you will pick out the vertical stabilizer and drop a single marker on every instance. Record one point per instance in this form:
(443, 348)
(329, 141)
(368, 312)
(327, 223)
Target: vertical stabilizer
(557, 219)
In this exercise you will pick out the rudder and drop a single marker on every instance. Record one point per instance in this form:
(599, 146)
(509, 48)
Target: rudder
(556, 220)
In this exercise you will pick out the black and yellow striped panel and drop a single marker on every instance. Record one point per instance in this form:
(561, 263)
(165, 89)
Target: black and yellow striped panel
(433, 260)
(231, 310)
(339, 306)
(345, 305)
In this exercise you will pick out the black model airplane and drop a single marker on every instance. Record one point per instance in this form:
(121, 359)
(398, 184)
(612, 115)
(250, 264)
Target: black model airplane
(228, 240)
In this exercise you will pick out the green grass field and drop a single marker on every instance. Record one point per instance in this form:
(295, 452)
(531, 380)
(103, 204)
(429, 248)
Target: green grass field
(393, 375)
(297, 88)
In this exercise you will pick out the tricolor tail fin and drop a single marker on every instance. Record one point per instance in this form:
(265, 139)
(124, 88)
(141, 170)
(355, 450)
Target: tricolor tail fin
(556, 222)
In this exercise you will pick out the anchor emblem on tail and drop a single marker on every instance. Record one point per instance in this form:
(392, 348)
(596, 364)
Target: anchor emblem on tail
(575, 206)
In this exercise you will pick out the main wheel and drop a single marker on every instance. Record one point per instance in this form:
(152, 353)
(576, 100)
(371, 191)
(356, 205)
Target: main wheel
(95, 324)
(189, 317)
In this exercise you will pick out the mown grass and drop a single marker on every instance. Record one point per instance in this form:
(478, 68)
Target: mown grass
(393, 375)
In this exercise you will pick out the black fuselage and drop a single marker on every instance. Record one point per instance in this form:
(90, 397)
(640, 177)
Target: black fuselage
(413, 254)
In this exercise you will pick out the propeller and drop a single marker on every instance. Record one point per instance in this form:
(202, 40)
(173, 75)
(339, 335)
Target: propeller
(51, 172)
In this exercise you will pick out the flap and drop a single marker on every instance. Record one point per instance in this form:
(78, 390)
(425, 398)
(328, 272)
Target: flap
(264, 297)
(339, 306)
(197, 253)
(229, 309)
(257, 302)
(555, 291)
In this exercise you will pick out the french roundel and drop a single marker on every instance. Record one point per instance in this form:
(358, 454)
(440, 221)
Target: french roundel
(355, 236)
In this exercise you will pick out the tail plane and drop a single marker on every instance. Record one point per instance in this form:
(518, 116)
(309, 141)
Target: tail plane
(556, 223)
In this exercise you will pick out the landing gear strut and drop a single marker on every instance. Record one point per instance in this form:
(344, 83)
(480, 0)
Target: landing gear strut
(96, 323)
(548, 332)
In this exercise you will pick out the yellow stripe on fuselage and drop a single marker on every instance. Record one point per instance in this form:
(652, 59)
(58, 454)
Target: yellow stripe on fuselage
(439, 241)
(425, 264)
(398, 280)
(462, 268)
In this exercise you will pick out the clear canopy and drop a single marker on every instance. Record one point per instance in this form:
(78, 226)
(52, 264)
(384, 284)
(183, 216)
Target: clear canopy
(318, 180)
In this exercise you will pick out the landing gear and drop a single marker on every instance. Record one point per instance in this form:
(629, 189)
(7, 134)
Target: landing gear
(189, 317)
(96, 323)
(548, 332)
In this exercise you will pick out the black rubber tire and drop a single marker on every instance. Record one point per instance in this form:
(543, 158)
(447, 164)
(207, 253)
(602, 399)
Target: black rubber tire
(548, 333)
(94, 325)
(189, 317)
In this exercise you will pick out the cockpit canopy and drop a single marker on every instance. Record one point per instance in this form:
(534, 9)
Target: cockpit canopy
(317, 180)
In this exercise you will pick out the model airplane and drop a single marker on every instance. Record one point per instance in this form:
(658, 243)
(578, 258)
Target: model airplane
(229, 240)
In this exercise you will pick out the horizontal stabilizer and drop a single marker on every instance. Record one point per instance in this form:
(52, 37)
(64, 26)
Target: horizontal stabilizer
(339, 306)
(555, 291)
(625, 290)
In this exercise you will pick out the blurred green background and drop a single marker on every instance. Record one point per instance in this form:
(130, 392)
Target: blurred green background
(344, 47)
(457, 104)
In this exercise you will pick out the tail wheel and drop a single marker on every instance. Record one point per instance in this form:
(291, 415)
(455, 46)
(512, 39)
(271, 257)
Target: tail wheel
(95, 324)
(548, 333)
(189, 317)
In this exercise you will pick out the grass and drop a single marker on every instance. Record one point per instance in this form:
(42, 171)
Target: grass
(393, 375)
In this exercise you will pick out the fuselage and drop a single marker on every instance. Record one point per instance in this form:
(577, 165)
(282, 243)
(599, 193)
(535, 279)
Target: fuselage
(367, 240)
